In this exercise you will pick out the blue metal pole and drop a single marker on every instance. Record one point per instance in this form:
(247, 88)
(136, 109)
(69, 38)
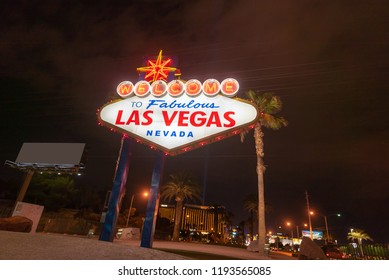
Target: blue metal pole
(118, 191)
(153, 202)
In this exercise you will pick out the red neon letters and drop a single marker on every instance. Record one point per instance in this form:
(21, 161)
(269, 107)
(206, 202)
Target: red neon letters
(181, 118)
(211, 87)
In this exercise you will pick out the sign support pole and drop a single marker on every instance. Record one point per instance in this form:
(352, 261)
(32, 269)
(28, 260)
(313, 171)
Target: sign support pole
(118, 191)
(153, 202)
(24, 187)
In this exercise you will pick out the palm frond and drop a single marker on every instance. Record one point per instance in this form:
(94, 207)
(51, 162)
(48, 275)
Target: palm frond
(250, 203)
(273, 122)
(268, 105)
(181, 186)
(358, 234)
(243, 135)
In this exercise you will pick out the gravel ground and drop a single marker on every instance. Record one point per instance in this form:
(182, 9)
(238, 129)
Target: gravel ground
(38, 246)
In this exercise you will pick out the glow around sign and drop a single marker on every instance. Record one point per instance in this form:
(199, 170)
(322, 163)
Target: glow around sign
(177, 117)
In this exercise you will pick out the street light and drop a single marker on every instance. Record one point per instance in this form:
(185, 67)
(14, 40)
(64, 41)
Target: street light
(289, 224)
(310, 224)
(145, 194)
(298, 231)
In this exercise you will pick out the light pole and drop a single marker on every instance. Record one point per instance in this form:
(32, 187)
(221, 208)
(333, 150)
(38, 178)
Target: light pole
(326, 224)
(309, 216)
(289, 224)
(328, 236)
(310, 224)
(145, 194)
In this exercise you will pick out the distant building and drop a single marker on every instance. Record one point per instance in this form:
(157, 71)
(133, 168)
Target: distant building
(199, 218)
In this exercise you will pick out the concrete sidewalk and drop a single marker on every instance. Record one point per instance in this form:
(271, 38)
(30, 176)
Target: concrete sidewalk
(44, 246)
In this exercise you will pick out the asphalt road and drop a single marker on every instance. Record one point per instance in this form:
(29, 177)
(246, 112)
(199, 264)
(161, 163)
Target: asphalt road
(43, 246)
(220, 250)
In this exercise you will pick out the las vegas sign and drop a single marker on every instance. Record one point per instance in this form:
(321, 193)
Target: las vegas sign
(178, 116)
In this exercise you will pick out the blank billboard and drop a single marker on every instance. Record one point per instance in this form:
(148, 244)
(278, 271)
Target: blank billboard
(315, 234)
(51, 153)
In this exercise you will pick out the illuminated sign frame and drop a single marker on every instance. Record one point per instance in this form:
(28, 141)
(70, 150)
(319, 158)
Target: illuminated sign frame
(178, 116)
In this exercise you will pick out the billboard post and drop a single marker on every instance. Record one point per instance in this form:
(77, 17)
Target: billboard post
(24, 187)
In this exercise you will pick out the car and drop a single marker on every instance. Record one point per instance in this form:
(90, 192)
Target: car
(333, 252)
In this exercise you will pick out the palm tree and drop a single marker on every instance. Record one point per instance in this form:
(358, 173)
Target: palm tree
(268, 106)
(251, 204)
(216, 209)
(181, 187)
(219, 218)
(360, 235)
(226, 221)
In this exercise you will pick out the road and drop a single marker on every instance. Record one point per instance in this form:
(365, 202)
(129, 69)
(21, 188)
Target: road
(232, 252)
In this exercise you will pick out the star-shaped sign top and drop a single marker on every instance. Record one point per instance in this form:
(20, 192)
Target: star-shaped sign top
(158, 69)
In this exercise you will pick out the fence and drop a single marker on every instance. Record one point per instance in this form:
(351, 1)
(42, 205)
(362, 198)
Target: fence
(366, 251)
(66, 221)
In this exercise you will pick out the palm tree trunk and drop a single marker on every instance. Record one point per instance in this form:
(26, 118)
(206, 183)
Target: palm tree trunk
(360, 247)
(258, 136)
(177, 220)
(252, 225)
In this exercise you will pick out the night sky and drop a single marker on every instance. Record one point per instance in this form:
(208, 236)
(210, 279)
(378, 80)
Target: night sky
(326, 60)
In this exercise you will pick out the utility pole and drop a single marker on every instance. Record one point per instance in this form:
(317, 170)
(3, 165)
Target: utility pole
(309, 215)
(328, 235)
(129, 210)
